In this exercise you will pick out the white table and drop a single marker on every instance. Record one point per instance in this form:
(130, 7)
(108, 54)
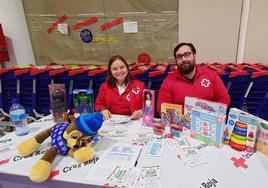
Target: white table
(220, 170)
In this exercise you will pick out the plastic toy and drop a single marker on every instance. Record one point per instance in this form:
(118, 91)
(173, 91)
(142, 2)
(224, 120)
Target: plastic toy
(241, 130)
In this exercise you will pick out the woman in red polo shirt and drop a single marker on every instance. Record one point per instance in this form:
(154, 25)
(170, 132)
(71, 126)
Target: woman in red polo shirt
(121, 93)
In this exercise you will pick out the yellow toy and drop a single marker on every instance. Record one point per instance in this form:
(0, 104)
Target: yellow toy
(72, 138)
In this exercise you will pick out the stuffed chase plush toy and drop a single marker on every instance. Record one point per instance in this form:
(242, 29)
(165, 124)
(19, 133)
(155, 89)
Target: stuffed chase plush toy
(72, 138)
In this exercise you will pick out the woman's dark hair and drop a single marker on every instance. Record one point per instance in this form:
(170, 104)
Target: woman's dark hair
(184, 44)
(110, 80)
(146, 93)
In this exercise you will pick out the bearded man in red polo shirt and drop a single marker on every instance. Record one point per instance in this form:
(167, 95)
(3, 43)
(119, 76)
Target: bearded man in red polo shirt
(191, 80)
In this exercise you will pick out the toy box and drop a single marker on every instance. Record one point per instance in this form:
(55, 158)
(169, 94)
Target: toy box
(148, 107)
(241, 130)
(83, 101)
(57, 100)
(209, 106)
(207, 127)
(171, 116)
(262, 139)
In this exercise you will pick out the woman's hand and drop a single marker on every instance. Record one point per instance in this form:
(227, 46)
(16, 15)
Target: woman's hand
(136, 114)
(106, 114)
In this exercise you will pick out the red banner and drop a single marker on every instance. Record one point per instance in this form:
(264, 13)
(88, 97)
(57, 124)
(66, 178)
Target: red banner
(54, 25)
(113, 23)
(86, 22)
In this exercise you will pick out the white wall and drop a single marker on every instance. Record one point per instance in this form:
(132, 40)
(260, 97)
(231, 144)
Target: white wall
(212, 26)
(257, 33)
(16, 33)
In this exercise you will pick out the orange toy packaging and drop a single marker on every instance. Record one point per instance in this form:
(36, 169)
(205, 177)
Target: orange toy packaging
(241, 130)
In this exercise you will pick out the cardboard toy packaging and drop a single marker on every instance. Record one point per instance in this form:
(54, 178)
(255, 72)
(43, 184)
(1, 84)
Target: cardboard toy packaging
(209, 106)
(83, 101)
(171, 117)
(241, 130)
(262, 139)
(58, 101)
(148, 107)
(207, 127)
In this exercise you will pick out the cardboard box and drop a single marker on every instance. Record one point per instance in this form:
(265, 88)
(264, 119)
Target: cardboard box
(207, 127)
(83, 101)
(148, 107)
(262, 139)
(241, 130)
(201, 104)
(171, 117)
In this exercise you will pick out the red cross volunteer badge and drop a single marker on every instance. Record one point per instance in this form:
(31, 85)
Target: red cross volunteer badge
(136, 90)
(205, 82)
(128, 97)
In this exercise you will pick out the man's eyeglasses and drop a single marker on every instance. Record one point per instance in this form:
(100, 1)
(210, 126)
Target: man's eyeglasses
(185, 55)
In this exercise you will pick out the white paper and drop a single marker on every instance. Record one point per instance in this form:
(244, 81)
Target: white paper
(117, 120)
(143, 136)
(191, 156)
(174, 143)
(150, 177)
(130, 27)
(154, 148)
(116, 126)
(115, 131)
(7, 151)
(123, 177)
(63, 28)
(119, 154)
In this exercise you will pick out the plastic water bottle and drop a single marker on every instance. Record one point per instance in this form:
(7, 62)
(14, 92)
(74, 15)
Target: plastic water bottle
(18, 118)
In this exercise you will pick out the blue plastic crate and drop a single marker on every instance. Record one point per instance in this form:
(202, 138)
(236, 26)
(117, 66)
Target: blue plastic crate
(9, 89)
(41, 100)
(25, 93)
(238, 87)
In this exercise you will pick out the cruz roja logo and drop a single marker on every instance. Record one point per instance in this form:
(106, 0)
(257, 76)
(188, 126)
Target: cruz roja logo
(209, 183)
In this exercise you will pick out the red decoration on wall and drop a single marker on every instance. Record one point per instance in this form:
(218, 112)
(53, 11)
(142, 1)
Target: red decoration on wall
(113, 23)
(54, 25)
(86, 22)
(3, 47)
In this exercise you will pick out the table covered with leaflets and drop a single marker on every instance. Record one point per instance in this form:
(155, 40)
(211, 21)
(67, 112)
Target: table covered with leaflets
(130, 155)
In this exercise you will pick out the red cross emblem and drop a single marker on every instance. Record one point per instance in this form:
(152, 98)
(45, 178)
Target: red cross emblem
(239, 162)
(53, 174)
(128, 97)
(205, 82)
(136, 90)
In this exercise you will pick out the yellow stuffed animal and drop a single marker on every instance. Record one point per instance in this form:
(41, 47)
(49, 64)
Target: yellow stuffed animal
(67, 138)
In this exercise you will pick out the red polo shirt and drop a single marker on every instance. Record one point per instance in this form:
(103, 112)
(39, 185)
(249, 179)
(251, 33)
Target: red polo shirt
(206, 85)
(124, 104)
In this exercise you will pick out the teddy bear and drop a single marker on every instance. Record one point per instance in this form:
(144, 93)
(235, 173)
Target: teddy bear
(73, 137)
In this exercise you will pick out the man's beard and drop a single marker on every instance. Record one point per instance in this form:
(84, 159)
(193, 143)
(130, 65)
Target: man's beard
(186, 67)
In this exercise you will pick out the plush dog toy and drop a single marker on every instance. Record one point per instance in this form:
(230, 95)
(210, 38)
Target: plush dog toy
(72, 138)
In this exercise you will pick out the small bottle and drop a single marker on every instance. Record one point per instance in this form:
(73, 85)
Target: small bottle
(18, 118)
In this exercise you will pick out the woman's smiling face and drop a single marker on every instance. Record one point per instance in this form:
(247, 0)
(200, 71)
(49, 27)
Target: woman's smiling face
(119, 71)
